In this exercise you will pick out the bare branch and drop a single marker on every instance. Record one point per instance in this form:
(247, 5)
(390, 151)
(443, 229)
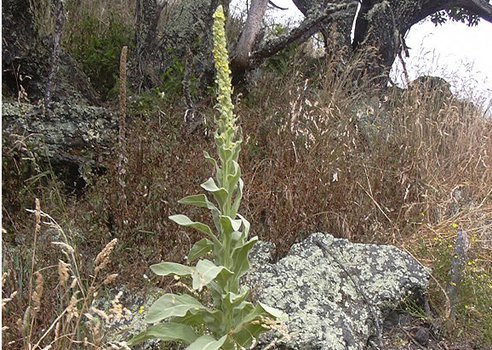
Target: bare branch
(303, 32)
(480, 8)
(271, 3)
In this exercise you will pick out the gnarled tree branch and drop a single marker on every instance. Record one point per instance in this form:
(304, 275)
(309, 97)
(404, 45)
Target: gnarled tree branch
(300, 34)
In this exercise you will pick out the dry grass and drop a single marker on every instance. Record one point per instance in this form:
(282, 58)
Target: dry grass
(55, 313)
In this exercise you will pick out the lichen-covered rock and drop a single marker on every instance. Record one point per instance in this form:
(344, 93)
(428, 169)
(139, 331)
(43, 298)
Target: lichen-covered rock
(125, 316)
(71, 136)
(336, 293)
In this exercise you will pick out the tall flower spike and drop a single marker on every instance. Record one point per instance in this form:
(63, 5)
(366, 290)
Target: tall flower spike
(226, 121)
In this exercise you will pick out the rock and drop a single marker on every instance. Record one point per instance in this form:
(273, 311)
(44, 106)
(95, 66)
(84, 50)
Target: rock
(119, 327)
(72, 137)
(336, 293)
(422, 336)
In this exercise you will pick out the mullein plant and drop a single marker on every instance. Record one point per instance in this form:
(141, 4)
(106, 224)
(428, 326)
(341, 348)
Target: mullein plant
(230, 321)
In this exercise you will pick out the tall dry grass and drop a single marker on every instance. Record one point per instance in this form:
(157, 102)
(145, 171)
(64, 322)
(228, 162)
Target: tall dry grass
(50, 305)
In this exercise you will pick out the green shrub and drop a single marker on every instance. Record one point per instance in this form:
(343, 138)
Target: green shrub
(97, 46)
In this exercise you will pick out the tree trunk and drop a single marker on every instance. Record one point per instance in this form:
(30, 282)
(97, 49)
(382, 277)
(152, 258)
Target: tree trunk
(168, 34)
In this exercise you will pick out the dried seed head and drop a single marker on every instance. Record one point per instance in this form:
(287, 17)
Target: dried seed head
(63, 272)
(37, 215)
(110, 279)
(67, 249)
(38, 291)
(26, 321)
(6, 300)
(102, 258)
(100, 313)
(57, 330)
(74, 283)
(5, 274)
(72, 310)
(95, 328)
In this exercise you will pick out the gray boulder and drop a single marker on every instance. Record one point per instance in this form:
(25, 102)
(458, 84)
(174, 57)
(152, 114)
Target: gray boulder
(335, 293)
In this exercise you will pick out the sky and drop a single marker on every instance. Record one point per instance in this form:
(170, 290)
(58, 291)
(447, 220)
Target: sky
(453, 51)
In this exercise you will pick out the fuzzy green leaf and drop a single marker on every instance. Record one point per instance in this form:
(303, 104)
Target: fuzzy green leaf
(170, 331)
(183, 220)
(170, 268)
(278, 314)
(234, 176)
(172, 305)
(199, 200)
(212, 161)
(231, 300)
(220, 194)
(200, 249)
(248, 326)
(230, 225)
(240, 258)
(247, 333)
(206, 342)
(239, 196)
(246, 224)
(205, 272)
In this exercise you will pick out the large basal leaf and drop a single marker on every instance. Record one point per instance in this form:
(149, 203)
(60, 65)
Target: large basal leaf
(214, 320)
(199, 200)
(200, 249)
(240, 258)
(170, 268)
(183, 220)
(172, 305)
(205, 272)
(249, 322)
(169, 331)
(251, 327)
(247, 314)
(220, 194)
(207, 342)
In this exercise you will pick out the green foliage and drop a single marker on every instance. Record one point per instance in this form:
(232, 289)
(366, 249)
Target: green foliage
(97, 46)
(456, 14)
(233, 322)
(475, 304)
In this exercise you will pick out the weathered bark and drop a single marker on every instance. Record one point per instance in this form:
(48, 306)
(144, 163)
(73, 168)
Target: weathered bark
(55, 55)
(167, 32)
(336, 33)
(147, 14)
